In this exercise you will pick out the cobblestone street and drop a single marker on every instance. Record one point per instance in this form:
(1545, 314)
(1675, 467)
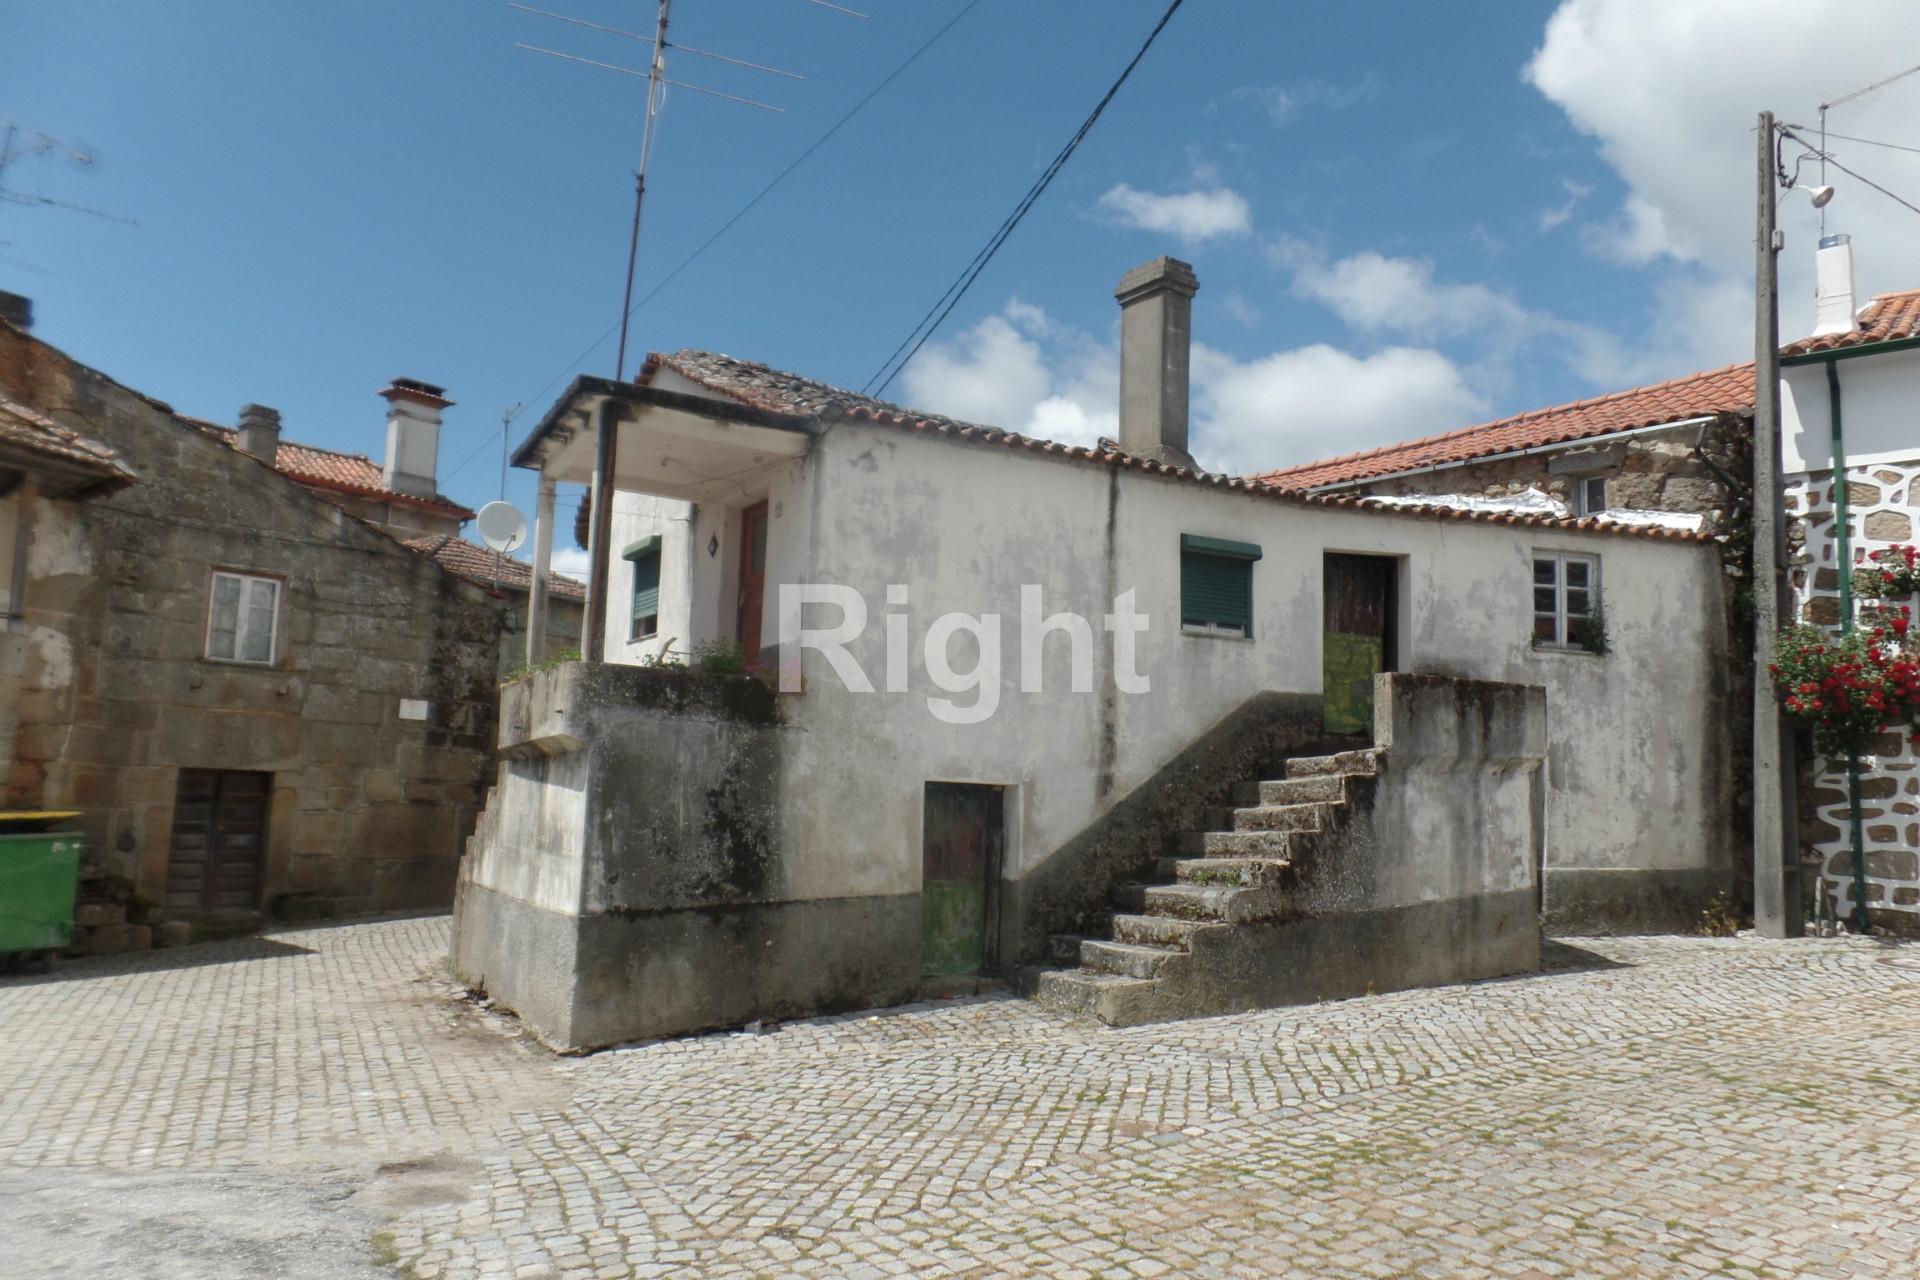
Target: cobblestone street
(318, 1103)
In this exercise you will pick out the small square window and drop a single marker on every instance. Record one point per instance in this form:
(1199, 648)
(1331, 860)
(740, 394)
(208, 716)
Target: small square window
(1216, 586)
(1566, 602)
(1590, 495)
(243, 618)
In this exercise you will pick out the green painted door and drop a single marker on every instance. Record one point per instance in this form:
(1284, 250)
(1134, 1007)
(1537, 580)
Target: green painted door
(1357, 643)
(960, 870)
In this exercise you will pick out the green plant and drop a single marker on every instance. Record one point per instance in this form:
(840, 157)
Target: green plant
(559, 659)
(1847, 689)
(1590, 632)
(1721, 919)
(719, 657)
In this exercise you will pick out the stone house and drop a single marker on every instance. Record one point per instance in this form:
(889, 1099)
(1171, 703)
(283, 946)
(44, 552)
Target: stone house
(1850, 404)
(1257, 745)
(254, 694)
(510, 581)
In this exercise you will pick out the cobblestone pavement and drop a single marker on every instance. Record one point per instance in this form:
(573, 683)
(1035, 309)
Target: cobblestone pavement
(1649, 1107)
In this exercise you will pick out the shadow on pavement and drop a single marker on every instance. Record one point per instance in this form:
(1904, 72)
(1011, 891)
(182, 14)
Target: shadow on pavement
(230, 951)
(1563, 957)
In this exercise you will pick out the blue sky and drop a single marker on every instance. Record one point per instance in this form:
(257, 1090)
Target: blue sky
(1404, 217)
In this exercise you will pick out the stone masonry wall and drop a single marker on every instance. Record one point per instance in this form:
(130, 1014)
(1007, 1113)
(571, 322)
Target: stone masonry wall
(1881, 508)
(368, 810)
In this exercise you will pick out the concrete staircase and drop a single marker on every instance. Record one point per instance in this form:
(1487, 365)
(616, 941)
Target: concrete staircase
(1251, 872)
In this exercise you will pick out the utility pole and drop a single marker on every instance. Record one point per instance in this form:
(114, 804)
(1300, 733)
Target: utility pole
(1777, 911)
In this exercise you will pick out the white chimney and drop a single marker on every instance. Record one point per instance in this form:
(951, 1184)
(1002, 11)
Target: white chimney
(1833, 310)
(1156, 339)
(259, 430)
(413, 436)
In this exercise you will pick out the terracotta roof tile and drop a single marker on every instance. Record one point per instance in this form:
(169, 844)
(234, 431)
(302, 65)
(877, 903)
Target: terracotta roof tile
(773, 390)
(476, 564)
(1728, 390)
(330, 469)
(1889, 317)
(25, 430)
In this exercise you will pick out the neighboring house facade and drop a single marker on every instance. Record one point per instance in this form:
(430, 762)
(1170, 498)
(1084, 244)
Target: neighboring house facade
(253, 695)
(1850, 401)
(662, 853)
(508, 581)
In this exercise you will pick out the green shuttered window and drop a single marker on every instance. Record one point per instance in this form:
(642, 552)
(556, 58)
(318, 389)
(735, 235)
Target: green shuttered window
(1216, 585)
(644, 556)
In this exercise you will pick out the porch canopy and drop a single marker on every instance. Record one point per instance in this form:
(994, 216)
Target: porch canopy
(618, 436)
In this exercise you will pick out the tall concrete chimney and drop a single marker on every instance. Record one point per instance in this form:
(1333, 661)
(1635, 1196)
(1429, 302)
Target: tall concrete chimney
(1833, 309)
(260, 432)
(413, 436)
(1156, 339)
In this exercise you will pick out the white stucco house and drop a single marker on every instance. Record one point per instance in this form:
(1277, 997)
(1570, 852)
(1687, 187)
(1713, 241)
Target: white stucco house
(1850, 403)
(1214, 740)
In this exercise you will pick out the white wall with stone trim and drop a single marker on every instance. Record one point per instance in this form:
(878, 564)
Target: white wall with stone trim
(1880, 415)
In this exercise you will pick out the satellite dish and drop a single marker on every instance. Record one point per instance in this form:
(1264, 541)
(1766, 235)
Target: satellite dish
(501, 526)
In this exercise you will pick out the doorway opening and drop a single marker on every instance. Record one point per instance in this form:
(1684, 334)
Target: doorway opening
(1358, 636)
(963, 842)
(217, 856)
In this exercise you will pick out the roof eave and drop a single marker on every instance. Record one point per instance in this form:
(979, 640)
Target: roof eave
(587, 393)
(1828, 354)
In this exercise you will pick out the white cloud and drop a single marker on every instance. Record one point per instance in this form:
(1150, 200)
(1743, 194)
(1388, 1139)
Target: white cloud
(1000, 374)
(1316, 401)
(1670, 92)
(1286, 103)
(1193, 216)
(571, 561)
(1022, 371)
(1561, 214)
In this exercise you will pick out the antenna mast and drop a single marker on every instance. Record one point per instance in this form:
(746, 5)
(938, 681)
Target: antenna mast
(656, 90)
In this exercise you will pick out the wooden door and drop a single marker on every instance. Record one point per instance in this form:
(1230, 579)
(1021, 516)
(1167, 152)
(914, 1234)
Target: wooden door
(753, 577)
(219, 840)
(964, 831)
(1357, 641)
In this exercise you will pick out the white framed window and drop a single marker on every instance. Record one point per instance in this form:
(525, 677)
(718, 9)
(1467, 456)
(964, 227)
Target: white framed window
(1566, 602)
(1590, 495)
(243, 618)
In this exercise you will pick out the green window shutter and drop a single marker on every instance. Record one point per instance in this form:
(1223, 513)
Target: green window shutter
(646, 583)
(1216, 589)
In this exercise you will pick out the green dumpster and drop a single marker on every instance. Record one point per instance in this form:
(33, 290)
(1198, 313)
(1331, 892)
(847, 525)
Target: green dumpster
(39, 871)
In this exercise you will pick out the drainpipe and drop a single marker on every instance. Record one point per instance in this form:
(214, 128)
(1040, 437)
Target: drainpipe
(1843, 531)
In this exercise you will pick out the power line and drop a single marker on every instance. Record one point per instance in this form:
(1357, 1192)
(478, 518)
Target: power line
(937, 315)
(744, 210)
(1870, 142)
(1860, 177)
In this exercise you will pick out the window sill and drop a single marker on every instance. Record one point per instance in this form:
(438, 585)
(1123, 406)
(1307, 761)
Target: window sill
(246, 663)
(1211, 633)
(1566, 651)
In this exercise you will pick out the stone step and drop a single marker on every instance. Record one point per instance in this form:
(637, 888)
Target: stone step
(1133, 959)
(1206, 903)
(1064, 948)
(1234, 844)
(1329, 788)
(1154, 931)
(1111, 997)
(1282, 817)
(1362, 762)
(1251, 873)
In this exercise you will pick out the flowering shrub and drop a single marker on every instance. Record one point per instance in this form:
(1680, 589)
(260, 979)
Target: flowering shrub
(1847, 689)
(1895, 571)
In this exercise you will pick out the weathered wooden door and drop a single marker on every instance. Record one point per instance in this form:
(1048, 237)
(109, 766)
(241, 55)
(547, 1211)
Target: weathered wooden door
(1358, 637)
(965, 829)
(753, 577)
(219, 842)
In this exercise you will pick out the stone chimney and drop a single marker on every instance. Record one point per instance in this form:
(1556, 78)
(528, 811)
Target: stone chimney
(16, 310)
(413, 436)
(1156, 337)
(1833, 309)
(259, 432)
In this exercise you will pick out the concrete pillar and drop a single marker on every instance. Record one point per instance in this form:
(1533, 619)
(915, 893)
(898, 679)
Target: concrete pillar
(606, 463)
(1156, 339)
(542, 566)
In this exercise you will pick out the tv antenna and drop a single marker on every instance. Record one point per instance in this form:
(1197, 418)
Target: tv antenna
(1840, 101)
(19, 142)
(657, 81)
